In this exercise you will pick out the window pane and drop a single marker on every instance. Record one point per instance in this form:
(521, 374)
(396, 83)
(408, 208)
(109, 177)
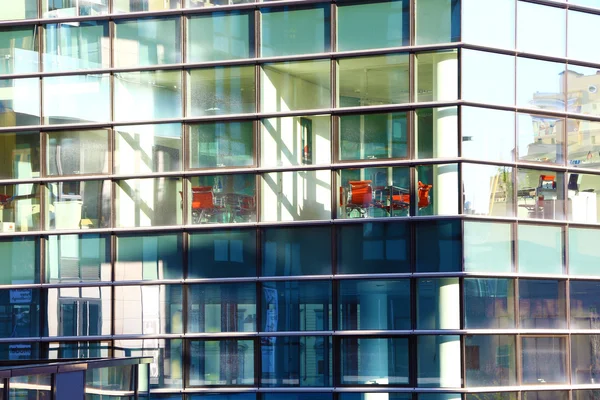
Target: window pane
(148, 202)
(487, 134)
(21, 260)
(149, 257)
(19, 207)
(438, 303)
(23, 9)
(147, 95)
(582, 86)
(79, 311)
(437, 76)
(542, 304)
(373, 25)
(296, 196)
(78, 98)
(492, 396)
(167, 360)
(282, 365)
(544, 360)
(79, 205)
(374, 304)
(489, 304)
(366, 81)
(490, 360)
(148, 309)
(222, 144)
(377, 192)
(582, 137)
(298, 85)
(437, 21)
(222, 254)
(552, 42)
(367, 396)
(479, 87)
(585, 303)
(582, 27)
(78, 349)
(584, 252)
(221, 90)
(494, 32)
(540, 194)
(540, 139)
(142, 149)
(295, 141)
(442, 182)
(123, 6)
(373, 136)
(367, 361)
(488, 247)
(493, 199)
(19, 155)
(439, 362)
(365, 248)
(545, 395)
(77, 152)
(540, 249)
(19, 102)
(66, 9)
(30, 386)
(221, 362)
(220, 36)
(284, 30)
(585, 353)
(222, 199)
(224, 307)
(19, 314)
(439, 247)
(582, 192)
(296, 306)
(18, 48)
(74, 47)
(147, 41)
(210, 3)
(296, 251)
(539, 83)
(78, 258)
(437, 132)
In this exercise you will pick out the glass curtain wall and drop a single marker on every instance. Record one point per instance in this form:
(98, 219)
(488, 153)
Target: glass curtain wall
(324, 200)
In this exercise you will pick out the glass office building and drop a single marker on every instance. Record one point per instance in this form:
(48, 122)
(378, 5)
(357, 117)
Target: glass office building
(304, 199)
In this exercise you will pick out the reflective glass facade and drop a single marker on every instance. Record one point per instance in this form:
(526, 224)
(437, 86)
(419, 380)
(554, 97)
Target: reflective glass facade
(318, 200)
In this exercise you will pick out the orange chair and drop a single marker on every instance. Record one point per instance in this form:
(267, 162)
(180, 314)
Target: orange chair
(401, 200)
(359, 197)
(203, 204)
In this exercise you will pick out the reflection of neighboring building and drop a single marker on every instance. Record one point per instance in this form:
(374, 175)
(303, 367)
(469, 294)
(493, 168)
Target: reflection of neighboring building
(582, 136)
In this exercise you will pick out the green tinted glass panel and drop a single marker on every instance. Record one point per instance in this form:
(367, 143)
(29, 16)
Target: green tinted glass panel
(220, 36)
(147, 41)
(540, 249)
(20, 259)
(221, 144)
(438, 21)
(288, 31)
(487, 247)
(72, 47)
(19, 155)
(373, 136)
(584, 252)
(84, 258)
(221, 90)
(18, 48)
(149, 257)
(373, 25)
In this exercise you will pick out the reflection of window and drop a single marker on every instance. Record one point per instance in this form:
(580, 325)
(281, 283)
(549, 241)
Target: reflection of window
(229, 250)
(472, 357)
(503, 356)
